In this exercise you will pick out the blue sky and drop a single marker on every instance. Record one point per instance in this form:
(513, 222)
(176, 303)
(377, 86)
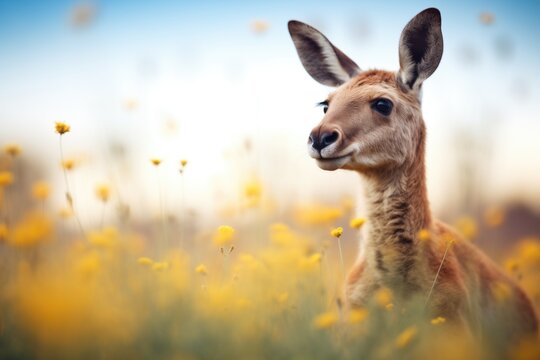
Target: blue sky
(34, 23)
(200, 64)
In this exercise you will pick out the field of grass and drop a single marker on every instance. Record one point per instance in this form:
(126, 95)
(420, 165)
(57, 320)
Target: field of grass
(257, 285)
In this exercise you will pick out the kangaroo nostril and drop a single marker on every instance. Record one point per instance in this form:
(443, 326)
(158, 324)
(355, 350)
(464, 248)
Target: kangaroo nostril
(319, 142)
(314, 141)
(329, 138)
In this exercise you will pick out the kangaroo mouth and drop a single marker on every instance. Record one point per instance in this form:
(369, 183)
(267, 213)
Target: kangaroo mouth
(333, 163)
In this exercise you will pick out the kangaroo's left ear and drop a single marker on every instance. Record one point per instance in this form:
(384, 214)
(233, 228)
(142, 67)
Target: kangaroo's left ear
(420, 49)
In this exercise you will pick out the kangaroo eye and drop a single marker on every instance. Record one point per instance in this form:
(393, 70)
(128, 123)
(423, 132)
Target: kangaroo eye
(382, 106)
(324, 105)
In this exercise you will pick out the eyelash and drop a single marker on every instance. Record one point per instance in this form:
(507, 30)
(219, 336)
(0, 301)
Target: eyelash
(324, 104)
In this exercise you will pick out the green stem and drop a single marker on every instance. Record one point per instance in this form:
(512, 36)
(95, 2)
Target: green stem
(438, 272)
(162, 215)
(341, 257)
(69, 198)
(182, 209)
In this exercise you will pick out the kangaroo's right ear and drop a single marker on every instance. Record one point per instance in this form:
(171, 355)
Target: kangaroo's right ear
(420, 48)
(322, 60)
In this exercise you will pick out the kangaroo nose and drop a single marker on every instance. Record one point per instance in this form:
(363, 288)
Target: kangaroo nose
(324, 140)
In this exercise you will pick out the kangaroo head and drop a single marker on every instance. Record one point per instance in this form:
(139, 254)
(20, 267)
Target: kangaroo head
(373, 119)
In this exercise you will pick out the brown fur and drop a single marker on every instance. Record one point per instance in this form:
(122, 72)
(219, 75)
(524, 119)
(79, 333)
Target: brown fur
(373, 77)
(388, 150)
(356, 273)
(398, 208)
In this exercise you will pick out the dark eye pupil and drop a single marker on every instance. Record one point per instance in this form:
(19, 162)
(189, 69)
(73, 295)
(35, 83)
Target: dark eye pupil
(383, 106)
(325, 108)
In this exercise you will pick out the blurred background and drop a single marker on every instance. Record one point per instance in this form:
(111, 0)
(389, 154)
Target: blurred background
(219, 84)
(181, 216)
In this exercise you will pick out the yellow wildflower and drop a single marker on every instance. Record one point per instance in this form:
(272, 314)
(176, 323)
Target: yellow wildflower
(325, 320)
(317, 214)
(529, 250)
(279, 227)
(315, 258)
(259, 26)
(494, 216)
(424, 235)
(448, 238)
(34, 228)
(357, 223)
(65, 213)
(280, 234)
(103, 192)
(249, 262)
(6, 178)
(438, 320)
(3, 231)
(337, 232)
(160, 266)
(62, 128)
(383, 297)
(201, 269)
(89, 264)
(145, 261)
(82, 14)
(131, 104)
(467, 226)
(155, 162)
(310, 263)
(243, 303)
(40, 190)
(253, 193)
(224, 235)
(357, 316)
(487, 18)
(109, 237)
(183, 164)
(253, 189)
(12, 149)
(511, 265)
(282, 297)
(406, 337)
(68, 164)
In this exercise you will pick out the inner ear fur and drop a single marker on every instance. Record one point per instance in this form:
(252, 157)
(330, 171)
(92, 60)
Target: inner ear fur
(321, 59)
(420, 48)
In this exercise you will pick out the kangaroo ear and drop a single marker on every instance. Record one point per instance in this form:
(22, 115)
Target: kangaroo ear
(322, 60)
(420, 48)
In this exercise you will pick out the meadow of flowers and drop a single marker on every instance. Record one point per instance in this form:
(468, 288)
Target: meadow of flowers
(253, 286)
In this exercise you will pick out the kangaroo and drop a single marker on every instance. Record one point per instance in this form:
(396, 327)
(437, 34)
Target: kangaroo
(373, 125)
